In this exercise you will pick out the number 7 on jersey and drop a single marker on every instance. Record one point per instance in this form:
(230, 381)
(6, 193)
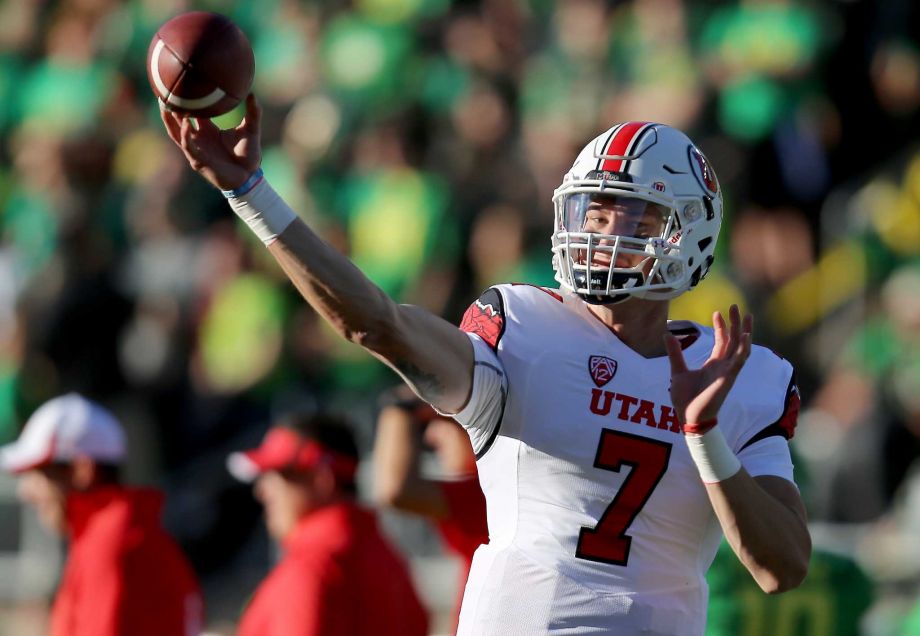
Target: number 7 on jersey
(648, 459)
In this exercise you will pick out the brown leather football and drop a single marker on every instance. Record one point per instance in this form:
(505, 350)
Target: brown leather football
(200, 63)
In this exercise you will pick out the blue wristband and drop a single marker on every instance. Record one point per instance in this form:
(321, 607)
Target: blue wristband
(248, 185)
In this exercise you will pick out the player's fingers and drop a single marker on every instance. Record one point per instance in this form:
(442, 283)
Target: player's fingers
(207, 127)
(718, 325)
(675, 354)
(185, 133)
(745, 346)
(189, 144)
(740, 356)
(734, 329)
(743, 350)
(171, 123)
(747, 325)
(253, 119)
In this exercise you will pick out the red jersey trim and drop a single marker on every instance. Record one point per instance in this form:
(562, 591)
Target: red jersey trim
(622, 144)
(545, 290)
(785, 425)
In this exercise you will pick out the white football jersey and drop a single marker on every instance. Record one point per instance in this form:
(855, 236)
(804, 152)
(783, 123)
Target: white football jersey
(598, 520)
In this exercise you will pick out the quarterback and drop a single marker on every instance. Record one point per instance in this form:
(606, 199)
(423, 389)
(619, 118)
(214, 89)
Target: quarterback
(615, 447)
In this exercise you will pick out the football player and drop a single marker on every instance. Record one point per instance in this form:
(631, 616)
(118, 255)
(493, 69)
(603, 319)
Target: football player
(614, 446)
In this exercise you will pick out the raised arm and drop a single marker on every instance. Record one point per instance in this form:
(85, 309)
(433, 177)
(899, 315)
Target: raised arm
(431, 355)
(763, 518)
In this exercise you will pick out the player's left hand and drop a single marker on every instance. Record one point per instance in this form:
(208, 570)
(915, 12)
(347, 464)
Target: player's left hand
(698, 394)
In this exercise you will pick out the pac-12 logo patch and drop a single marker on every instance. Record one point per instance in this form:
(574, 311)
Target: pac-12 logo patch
(602, 369)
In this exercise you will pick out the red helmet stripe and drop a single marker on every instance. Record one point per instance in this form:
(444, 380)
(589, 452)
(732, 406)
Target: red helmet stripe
(620, 143)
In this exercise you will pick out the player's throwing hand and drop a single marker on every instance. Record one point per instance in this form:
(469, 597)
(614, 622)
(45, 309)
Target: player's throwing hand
(226, 158)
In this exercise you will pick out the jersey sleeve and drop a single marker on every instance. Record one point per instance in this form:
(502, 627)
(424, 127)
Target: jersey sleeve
(484, 324)
(764, 446)
(483, 413)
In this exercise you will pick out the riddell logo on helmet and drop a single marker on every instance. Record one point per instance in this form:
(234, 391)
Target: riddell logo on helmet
(659, 185)
(607, 175)
(602, 369)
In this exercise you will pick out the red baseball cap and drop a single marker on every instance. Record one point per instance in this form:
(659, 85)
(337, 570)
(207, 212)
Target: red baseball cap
(285, 449)
(62, 429)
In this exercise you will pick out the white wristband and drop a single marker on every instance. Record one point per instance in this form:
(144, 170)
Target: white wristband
(264, 211)
(713, 458)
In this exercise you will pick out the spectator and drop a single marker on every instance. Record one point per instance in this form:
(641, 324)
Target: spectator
(124, 574)
(339, 574)
(870, 399)
(832, 601)
(454, 501)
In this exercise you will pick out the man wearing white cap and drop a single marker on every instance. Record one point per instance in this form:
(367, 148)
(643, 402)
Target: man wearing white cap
(339, 575)
(124, 574)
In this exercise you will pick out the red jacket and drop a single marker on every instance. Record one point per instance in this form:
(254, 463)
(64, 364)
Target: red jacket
(124, 575)
(464, 528)
(338, 577)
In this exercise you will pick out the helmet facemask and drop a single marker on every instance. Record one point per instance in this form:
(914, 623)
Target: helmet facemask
(610, 245)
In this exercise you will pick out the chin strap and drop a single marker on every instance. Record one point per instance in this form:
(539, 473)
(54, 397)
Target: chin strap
(604, 300)
(621, 283)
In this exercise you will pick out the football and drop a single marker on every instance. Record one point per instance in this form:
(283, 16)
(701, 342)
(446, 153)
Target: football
(200, 64)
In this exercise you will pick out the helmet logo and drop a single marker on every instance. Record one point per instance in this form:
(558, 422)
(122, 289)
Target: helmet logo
(659, 185)
(607, 175)
(602, 369)
(484, 321)
(703, 171)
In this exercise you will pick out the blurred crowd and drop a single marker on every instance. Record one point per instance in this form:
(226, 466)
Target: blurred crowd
(424, 138)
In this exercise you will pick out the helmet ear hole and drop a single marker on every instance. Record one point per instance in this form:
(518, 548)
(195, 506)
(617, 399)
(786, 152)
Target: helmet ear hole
(710, 211)
(695, 278)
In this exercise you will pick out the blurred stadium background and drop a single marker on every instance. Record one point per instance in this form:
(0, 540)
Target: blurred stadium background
(424, 138)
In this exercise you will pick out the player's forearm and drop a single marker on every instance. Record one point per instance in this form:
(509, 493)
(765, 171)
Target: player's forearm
(355, 307)
(765, 525)
(432, 355)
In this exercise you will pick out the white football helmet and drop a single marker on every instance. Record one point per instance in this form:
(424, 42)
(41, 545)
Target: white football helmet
(636, 164)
